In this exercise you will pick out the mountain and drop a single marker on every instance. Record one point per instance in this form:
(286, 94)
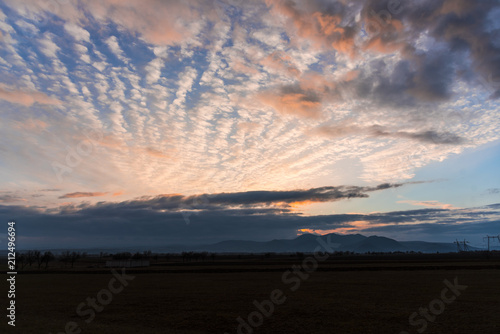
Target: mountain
(305, 243)
(308, 243)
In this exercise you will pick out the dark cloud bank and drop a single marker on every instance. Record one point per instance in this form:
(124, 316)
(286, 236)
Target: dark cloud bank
(256, 215)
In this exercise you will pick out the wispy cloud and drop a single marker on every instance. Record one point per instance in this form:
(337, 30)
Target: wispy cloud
(83, 194)
(26, 98)
(430, 204)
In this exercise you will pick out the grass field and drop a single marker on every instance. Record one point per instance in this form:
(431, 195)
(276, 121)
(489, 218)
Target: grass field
(336, 301)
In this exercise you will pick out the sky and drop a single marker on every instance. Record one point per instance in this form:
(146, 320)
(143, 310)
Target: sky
(158, 122)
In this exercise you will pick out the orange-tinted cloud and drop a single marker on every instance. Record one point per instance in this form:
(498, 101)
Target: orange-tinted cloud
(118, 193)
(430, 204)
(314, 81)
(83, 194)
(324, 30)
(351, 75)
(379, 45)
(239, 66)
(300, 204)
(293, 103)
(156, 153)
(26, 98)
(280, 62)
(32, 125)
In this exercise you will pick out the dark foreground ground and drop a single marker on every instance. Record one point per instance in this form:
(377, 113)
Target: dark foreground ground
(369, 296)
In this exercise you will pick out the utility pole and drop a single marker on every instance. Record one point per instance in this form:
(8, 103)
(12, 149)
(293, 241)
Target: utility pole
(462, 246)
(491, 237)
(466, 248)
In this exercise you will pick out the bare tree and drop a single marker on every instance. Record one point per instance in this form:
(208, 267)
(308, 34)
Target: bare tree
(20, 260)
(74, 256)
(65, 257)
(30, 257)
(47, 257)
(38, 257)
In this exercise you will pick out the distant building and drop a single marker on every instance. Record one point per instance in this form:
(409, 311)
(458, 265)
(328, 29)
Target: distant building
(127, 263)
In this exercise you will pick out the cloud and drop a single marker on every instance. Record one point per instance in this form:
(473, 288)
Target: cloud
(77, 32)
(159, 22)
(293, 101)
(429, 136)
(83, 194)
(239, 200)
(48, 47)
(33, 125)
(431, 204)
(153, 70)
(126, 225)
(8, 198)
(113, 45)
(26, 98)
(325, 27)
(177, 117)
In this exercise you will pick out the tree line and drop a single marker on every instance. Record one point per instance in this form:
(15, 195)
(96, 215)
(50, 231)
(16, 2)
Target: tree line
(35, 257)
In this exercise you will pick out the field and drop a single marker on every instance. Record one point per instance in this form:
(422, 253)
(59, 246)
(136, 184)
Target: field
(355, 295)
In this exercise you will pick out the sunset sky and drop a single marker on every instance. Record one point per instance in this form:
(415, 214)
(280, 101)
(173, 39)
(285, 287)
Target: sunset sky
(156, 122)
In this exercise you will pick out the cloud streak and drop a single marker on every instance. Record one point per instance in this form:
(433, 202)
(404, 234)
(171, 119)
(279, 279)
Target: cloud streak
(83, 194)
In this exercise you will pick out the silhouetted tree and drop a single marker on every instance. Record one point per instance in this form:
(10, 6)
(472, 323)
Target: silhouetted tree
(37, 255)
(20, 260)
(30, 257)
(65, 257)
(187, 256)
(74, 256)
(47, 257)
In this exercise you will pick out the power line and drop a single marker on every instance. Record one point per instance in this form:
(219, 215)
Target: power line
(491, 237)
(462, 246)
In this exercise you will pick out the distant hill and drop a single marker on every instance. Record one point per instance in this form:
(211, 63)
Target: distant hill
(308, 243)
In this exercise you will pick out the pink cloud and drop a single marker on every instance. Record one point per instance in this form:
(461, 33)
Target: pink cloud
(160, 22)
(26, 98)
(293, 103)
(324, 30)
(280, 62)
(431, 204)
(83, 194)
(33, 125)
